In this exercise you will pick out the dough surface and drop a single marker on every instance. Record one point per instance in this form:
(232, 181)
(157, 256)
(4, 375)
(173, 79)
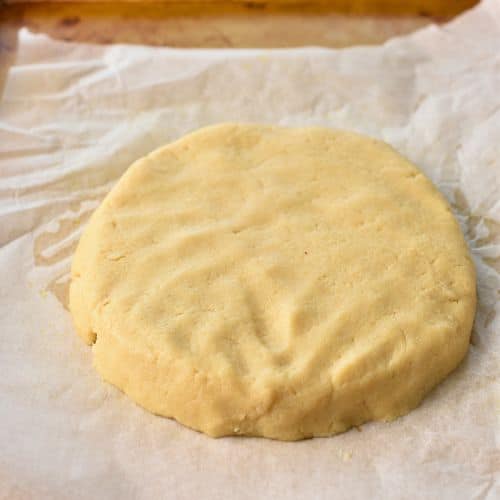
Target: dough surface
(277, 282)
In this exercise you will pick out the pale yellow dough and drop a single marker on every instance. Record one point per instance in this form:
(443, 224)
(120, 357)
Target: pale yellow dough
(277, 282)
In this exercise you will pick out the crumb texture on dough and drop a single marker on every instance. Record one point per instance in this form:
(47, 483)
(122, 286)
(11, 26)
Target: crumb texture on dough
(271, 281)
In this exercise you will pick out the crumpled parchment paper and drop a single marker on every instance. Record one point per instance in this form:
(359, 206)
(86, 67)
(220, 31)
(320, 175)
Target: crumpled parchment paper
(73, 117)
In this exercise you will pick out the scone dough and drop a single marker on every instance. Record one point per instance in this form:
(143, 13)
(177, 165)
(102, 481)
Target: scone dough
(271, 281)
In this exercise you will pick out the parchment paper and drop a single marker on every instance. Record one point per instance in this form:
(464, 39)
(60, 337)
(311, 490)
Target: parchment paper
(73, 117)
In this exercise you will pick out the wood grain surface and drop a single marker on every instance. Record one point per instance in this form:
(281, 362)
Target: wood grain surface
(229, 23)
(362, 7)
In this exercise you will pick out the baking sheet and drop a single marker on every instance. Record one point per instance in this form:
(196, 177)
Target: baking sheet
(74, 116)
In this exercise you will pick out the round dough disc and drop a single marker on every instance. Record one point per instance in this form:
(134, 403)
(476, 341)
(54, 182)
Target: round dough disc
(277, 282)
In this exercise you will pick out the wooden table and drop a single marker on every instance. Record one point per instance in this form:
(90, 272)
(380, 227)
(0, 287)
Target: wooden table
(226, 23)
